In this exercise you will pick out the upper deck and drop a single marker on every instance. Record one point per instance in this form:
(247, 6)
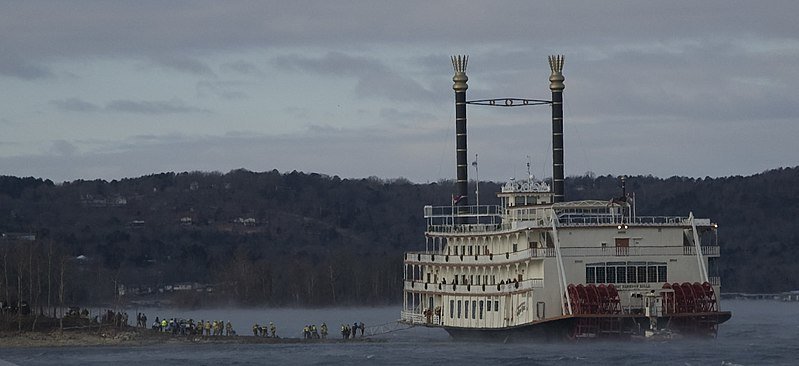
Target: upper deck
(489, 219)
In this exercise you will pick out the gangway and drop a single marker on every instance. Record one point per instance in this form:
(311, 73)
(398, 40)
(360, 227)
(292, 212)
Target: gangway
(386, 328)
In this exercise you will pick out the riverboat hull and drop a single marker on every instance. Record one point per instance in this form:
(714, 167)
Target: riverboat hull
(597, 326)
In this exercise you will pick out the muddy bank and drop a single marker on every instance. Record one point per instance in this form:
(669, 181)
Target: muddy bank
(137, 337)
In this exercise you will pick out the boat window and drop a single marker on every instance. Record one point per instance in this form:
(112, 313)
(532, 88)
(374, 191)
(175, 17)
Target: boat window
(621, 273)
(466, 309)
(590, 274)
(496, 305)
(641, 274)
(459, 309)
(481, 309)
(474, 309)
(662, 274)
(488, 305)
(610, 274)
(600, 274)
(652, 274)
(631, 275)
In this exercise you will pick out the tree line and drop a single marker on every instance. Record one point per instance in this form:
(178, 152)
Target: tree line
(294, 238)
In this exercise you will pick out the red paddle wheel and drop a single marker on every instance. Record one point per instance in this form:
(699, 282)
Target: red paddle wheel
(713, 305)
(594, 300)
(689, 297)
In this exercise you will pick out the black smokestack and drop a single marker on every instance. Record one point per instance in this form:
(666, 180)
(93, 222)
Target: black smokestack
(460, 86)
(556, 86)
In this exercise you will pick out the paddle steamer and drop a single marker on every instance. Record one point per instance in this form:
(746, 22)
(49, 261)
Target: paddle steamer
(538, 265)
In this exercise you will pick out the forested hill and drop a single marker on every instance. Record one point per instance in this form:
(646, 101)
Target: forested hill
(296, 238)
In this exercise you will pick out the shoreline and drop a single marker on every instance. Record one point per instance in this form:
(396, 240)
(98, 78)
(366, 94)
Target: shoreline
(133, 337)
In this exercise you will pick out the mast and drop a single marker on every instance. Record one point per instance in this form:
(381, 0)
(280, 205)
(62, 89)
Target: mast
(556, 86)
(460, 86)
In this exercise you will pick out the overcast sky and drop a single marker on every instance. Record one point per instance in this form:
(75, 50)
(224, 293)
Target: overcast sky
(113, 89)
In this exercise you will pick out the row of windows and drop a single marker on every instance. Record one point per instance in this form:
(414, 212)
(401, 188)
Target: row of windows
(475, 305)
(625, 274)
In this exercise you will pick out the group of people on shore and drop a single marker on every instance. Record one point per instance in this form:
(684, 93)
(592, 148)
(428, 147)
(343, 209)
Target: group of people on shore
(209, 328)
(263, 330)
(349, 332)
(310, 332)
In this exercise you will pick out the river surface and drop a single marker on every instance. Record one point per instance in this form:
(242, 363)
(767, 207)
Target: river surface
(759, 333)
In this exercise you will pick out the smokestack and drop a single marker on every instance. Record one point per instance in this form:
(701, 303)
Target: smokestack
(556, 86)
(460, 86)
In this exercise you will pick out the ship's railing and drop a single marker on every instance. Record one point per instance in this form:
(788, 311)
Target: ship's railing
(468, 228)
(714, 280)
(482, 216)
(579, 219)
(634, 251)
(532, 253)
(428, 257)
(512, 220)
(415, 317)
(470, 289)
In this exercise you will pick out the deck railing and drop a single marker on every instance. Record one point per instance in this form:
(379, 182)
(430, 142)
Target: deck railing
(470, 289)
(477, 219)
(533, 253)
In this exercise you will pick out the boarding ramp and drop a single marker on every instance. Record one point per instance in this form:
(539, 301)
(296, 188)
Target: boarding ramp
(386, 328)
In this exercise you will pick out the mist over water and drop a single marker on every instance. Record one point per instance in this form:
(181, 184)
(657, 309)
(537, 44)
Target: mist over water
(760, 332)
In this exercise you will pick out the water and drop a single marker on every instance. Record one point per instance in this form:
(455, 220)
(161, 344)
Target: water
(760, 332)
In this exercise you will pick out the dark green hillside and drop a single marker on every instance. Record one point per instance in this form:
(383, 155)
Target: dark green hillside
(296, 238)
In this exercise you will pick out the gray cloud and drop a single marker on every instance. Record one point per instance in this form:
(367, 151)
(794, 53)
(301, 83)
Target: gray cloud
(242, 67)
(173, 106)
(228, 90)
(152, 107)
(13, 66)
(183, 64)
(74, 105)
(46, 29)
(374, 78)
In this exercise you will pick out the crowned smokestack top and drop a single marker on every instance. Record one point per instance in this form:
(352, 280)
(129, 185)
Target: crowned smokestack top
(461, 197)
(460, 78)
(556, 79)
(556, 86)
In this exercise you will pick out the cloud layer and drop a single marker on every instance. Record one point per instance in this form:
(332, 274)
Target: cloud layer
(364, 88)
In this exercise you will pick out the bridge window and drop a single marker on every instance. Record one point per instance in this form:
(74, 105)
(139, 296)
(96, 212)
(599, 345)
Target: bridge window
(641, 274)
